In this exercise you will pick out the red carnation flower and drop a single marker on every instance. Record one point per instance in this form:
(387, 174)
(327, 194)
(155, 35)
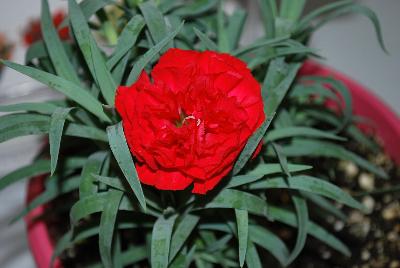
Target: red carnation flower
(190, 123)
(33, 31)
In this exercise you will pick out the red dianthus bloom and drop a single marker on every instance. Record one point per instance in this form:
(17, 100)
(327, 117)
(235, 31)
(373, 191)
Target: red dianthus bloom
(33, 31)
(190, 123)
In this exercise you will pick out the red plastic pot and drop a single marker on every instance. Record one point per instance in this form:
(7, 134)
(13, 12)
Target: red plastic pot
(386, 126)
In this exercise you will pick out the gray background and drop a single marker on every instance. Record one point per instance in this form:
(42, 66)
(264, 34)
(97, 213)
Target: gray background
(348, 43)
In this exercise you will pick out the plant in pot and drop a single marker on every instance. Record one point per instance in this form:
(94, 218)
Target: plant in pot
(178, 146)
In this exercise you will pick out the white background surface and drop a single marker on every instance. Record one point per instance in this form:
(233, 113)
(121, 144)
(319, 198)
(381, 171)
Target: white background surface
(348, 43)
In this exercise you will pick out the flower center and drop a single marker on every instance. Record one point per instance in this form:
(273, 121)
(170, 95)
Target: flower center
(183, 119)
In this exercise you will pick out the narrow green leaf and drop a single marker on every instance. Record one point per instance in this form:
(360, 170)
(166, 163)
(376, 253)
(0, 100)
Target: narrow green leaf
(288, 132)
(230, 198)
(261, 171)
(119, 71)
(292, 9)
(278, 80)
(55, 48)
(126, 40)
(235, 28)
(309, 184)
(252, 258)
(123, 156)
(325, 205)
(269, 241)
(314, 14)
(300, 207)
(357, 9)
(92, 166)
(161, 240)
(251, 146)
(91, 53)
(302, 227)
(181, 233)
(37, 168)
(149, 55)
(344, 92)
(107, 226)
(289, 218)
(223, 41)
(38, 107)
(242, 222)
(268, 11)
(82, 131)
(303, 147)
(54, 189)
(259, 44)
(196, 8)
(155, 21)
(55, 133)
(36, 51)
(95, 203)
(71, 90)
(207, 42)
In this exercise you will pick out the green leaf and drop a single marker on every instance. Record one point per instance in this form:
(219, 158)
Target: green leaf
(303, 147)
(314, 14)
(207, 42)
(223, 41)
(230, 198)
(269, 241)
(133, 255)
(92, 166)
(71, 90)
(20, 124)
(107, 226)
(119, 71)
(123, 156)
(325, 205)
(251, 146)
(299, 204)
(289, 218)
(126, 40)
(39, 167)
(55, 48)
(181, 233)
(309, 184)
(196, 8)
(252, 258)
(261, 171)
(155, 21)
(36, 51)
(288, 132)
(235, 28)
(357, 9)
(278, 80)
(95, 203)
(302, 224)
(268, 11)
(292, 10)
(259, 44)
(82, 131)
(54, 188)
(55, 133)
(91, 53)
(161, 240)
(242, 222)
(149, 55)
(38, 107)
(344, 92)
